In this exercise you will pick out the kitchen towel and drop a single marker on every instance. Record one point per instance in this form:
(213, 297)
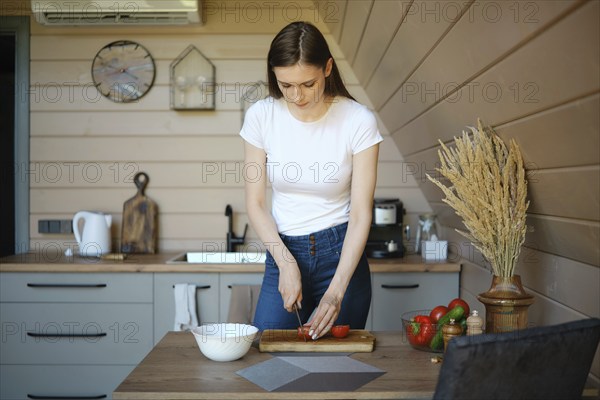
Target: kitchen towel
(243, 303)
(185, 306)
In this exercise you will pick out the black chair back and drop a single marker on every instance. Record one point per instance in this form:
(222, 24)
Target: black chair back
(549, 362)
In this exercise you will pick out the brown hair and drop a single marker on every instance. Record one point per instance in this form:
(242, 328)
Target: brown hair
(303, 42)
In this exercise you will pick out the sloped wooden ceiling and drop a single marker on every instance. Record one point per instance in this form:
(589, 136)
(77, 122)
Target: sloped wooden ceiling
(531, 70)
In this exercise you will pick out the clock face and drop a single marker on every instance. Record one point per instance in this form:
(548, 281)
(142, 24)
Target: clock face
(123, 71)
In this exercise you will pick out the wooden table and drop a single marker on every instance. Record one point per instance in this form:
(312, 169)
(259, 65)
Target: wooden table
(175, 369)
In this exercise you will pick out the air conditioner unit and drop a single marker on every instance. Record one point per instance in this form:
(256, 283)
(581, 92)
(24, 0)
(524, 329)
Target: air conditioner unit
(112, 12)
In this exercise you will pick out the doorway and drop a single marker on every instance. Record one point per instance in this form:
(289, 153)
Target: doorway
(14, 135)
(7, 144)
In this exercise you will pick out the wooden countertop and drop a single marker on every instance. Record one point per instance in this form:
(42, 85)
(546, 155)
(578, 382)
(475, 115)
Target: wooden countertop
(175, 369)
(57, 262)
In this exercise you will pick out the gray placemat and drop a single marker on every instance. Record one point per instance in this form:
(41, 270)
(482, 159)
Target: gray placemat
(310, 373)
(272, 374)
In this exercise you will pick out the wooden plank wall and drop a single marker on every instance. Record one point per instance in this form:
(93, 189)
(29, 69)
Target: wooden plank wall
(86, 149)
(531, 70)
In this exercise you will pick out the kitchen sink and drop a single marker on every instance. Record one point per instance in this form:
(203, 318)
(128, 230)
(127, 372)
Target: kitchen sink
(199, 257)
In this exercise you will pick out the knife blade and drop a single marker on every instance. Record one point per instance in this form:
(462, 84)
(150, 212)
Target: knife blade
(299, 320)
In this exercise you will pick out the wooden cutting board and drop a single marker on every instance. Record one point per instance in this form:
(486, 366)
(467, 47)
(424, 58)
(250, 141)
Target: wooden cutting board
(139, 231)
(278, 340)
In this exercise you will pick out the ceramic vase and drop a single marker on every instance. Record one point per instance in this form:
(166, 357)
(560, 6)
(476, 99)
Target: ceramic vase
(506, 304)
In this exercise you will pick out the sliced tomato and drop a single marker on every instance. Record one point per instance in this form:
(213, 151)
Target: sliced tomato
(460, 302)
(340, 331)
(303, 332)
(437, 313)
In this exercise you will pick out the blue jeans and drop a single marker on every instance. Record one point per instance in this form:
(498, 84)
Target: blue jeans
(317, 255)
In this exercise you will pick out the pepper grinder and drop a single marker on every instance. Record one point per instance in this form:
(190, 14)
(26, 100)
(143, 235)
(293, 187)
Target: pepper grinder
(474, 324)
(450, 330)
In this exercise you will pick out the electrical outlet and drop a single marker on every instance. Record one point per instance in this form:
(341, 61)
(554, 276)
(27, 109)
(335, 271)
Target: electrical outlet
(54, 226)
(60, 226)
(43, 226)
(66, 226)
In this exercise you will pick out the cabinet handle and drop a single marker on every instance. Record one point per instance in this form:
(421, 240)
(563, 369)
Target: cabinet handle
(413, 286)
(230, 286)
(67, 285)
(42, 397)
(200, 286)
(68, 335)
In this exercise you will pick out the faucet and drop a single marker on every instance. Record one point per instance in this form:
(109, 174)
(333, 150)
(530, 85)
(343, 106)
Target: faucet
(233, 240)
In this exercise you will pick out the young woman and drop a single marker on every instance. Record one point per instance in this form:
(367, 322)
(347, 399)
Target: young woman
(318, 148)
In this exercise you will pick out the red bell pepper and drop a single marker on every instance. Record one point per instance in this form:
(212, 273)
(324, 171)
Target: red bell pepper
(421, 330)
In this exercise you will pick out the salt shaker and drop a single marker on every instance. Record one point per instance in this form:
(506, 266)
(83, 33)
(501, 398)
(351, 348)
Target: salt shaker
(450, 330)
(474, 324)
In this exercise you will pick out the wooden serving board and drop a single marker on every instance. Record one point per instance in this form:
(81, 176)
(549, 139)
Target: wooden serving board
(279, 340)
(139, 232)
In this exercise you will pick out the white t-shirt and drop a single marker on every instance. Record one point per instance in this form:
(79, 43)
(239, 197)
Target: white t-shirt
(309, 164)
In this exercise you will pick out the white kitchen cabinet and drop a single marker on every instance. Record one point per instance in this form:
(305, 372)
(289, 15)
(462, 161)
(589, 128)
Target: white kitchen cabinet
(76, 287)
(396, 293)
(75, 333)
(87, 331)
(72, 334)
(83, 382)
(207, 299)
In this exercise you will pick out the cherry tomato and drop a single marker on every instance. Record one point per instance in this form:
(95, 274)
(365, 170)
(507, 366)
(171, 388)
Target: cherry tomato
(303, 332)
(437, 313)
(340, 331)
(460, 302)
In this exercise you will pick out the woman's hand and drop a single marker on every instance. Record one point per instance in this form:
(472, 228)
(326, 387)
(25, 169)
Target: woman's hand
(290, 285)
(326, 314)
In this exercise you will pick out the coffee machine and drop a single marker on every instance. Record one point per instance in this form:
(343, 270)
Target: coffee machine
(385, 236)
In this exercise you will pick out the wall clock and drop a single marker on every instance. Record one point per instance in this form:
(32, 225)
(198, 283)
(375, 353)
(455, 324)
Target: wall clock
(123, 71)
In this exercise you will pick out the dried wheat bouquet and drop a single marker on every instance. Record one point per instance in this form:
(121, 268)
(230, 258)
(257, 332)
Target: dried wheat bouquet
(488, 190)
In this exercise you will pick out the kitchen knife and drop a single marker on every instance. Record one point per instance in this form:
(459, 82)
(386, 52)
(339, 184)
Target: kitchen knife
(299, 321)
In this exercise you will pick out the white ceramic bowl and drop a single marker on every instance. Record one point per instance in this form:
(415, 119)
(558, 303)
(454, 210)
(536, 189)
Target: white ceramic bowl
(224, 341)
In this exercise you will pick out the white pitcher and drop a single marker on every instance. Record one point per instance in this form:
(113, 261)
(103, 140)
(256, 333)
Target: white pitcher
(95, 238)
